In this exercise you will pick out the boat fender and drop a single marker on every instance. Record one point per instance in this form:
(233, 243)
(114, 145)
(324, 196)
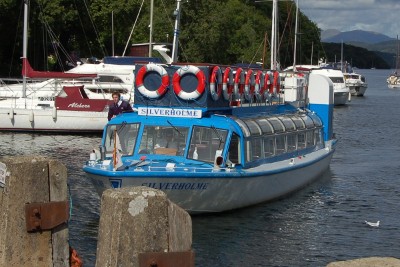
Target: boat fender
(218, 159)
(195, 154)
(11, 114)
(249, 85)
(216, 83)
(238, 83)
(92, 156)
(54, 113)
(259, 85)
(227, 83)
(31, 116)
(276, 83)
(201, 81)
(143, 71)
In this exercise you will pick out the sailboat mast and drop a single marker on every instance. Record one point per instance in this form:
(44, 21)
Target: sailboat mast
(177, 14)
(151, 28)
(274, 33)
(295, 35)
(397, 55)
(341, 57)
(112, 32)
(25, 44)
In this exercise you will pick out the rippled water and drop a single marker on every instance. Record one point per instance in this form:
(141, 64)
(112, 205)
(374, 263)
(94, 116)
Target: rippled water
(322, 223)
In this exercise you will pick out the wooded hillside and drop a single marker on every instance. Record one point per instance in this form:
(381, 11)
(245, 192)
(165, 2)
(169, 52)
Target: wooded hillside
(213, 31)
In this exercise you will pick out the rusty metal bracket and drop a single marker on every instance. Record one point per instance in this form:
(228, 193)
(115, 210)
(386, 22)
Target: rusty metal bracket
(46, 215)
(167, 259)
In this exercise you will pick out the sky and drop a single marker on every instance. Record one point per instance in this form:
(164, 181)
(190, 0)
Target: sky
(381, 16)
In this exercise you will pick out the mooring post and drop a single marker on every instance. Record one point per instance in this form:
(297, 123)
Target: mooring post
(38, 182)
(140, 226)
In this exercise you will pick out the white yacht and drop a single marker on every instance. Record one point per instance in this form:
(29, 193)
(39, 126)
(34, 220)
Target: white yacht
(356, 82)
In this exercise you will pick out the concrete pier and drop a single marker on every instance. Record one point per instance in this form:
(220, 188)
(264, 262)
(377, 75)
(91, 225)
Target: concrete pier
(31, 179)
(135, 220)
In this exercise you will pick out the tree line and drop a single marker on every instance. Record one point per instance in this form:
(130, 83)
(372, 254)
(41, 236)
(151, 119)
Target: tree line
(213, 31)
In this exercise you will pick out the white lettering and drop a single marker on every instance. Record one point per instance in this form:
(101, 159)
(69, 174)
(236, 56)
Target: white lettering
(76, 105)
(168, 112)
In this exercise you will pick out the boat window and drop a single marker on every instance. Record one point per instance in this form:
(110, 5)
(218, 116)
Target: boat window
(301, 140)
(265, 126)
(291, 142)
(253, 127)
(318, 136)
(289, 124)
(269, 145)
(298, 122)
(277, 124)
(163, 140)
(126, 140)
(109, 79)
(255, 151)
(234, 150)
(280, 144)
(317, 121)
(310, 138)
(309, 123)
(207, 141)
(337, 79)
(243, 126)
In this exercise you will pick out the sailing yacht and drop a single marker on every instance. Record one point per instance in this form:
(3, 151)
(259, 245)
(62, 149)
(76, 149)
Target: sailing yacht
(393, 80)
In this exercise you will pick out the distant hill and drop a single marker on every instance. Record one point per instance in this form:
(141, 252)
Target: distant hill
(358, 57)
(381, 45)
(335, 36)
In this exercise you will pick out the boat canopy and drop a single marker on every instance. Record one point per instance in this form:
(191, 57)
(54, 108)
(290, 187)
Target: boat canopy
(278, 124)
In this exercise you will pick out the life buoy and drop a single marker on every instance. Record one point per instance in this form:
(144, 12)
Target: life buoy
(249, 85)
(268, 82)
(238, 83)
(140, 78)
(201, 80)
(227, 83)
(216, 83)
(259, 87)
(276, 83)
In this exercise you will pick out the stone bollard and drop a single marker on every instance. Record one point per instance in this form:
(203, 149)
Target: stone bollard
(137, 220)
(28, 179)
(367, 262)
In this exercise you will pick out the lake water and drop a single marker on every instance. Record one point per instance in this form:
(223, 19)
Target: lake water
(320, 224)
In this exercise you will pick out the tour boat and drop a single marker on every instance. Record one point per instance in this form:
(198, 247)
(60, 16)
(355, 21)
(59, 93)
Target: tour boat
(217, 138)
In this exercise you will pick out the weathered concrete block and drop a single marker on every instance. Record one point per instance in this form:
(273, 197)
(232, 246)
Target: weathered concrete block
(139, 219)
(367, 262)
(30, 179)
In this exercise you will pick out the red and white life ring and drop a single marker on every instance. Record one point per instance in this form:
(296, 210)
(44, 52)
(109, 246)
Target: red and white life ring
(227, 83)
(271, 84)
(259, 87)
(276, 83)
(238, 83)
(216, 83)
(143, 71)
(249, 85)
(201, 81)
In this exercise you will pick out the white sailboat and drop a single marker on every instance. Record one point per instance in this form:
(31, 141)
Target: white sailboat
(393, 81)
(66, 109)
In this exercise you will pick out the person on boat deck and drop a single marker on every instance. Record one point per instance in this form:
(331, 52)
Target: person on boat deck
(118, 106)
